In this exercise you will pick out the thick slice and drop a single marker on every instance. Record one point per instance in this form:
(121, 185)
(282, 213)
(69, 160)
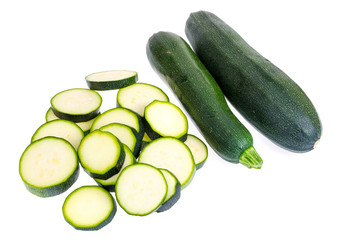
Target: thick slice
(49, 166)
(137, 96)
(171, 154)
(110, 183)
(198, 149)
(164, 119)
(120, 115)
(140, 189)
(62, 129)
(108, 80)
(77, 104)
(173, 59)
(101, 154)
(173, 191)
(89, 208)
(268, 98)
(125, 135)
(85, 126)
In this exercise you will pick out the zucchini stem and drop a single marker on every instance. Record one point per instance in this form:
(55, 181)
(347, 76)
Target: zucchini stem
(251, 159)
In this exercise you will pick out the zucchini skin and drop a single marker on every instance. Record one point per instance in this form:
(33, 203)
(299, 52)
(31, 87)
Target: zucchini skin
(267, 97)
(175, 62)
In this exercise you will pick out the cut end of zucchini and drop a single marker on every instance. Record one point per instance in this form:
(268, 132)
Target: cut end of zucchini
(251, 159)
(316, 143)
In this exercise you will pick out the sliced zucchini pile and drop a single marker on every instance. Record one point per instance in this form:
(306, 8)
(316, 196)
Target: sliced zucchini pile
(144, 125)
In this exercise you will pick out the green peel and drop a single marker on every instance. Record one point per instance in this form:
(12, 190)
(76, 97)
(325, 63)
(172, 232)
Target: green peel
(251, 159)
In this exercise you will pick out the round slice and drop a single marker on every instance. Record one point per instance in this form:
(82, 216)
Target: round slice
(120, 115)
(60, 128)
(77, 104)
(173, 191)
(137, 96)
(89, 208)
(109, 184)
(85, 126)
(101, 154)
(49, 166)
(170, 154)
(114, 79)
(140, 189)
(125, 135)
(198, 150)
(164, 119)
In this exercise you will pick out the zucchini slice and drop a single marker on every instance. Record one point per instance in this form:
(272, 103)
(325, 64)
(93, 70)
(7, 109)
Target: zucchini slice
(125, 135)
(60, 128)
(85, 126)
(89, 208)
(173, 191)
(137, 96)
(165, 119)
(49, 166)
(198, 149)
(120, 115)
(76, 104)
(109, 80)
(140, 189)
(171, 154)
(101, 154)
(109, 184)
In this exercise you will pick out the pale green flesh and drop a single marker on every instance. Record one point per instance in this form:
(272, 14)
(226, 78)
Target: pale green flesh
(124, 134)
(198, 148)
(112, 75)
(171, 181)
(85, 126)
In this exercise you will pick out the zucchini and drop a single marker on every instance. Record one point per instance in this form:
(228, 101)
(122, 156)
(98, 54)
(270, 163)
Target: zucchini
(89, 208)
(171, 154)
(49, 166)
(101, 154)
(173, 191)
(173, 59)
(109, 80)
(140, 189)
(198, 149)
(165, 119)
(137, 96)
(267, 97)
(76, 104)
(60, 128)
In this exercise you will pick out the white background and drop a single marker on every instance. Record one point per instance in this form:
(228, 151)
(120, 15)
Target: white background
(50, 46)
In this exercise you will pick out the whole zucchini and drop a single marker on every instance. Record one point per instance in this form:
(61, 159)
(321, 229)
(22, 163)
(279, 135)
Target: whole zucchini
(173, 59)
(268, 98)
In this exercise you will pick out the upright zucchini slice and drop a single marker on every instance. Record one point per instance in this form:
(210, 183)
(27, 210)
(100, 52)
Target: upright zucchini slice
(114, 79)
(49, 166)
(173, 191)
(60, 128)
(137, 96)
(120, 115)
(164, 119)
(125, 135)
(198, 149)
(77, 104)
(110, 183)
(171, 154)
(89, 208)
(140, 189)
(101, 154)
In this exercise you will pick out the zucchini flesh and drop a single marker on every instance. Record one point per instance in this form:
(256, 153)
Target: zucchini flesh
(77, 104)
(101, 154)
(89, 208)
(198, 149)
(173, 59)
(164, 119)
(171, 154)
(49, 166)
(109, 80)
(60, 128)
(267, 97)
(137, 96)
(140, 189)
(173, 191)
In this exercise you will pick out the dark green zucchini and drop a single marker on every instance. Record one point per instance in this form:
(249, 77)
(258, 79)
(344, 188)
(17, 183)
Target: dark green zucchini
(268, 98)
(173, 59)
